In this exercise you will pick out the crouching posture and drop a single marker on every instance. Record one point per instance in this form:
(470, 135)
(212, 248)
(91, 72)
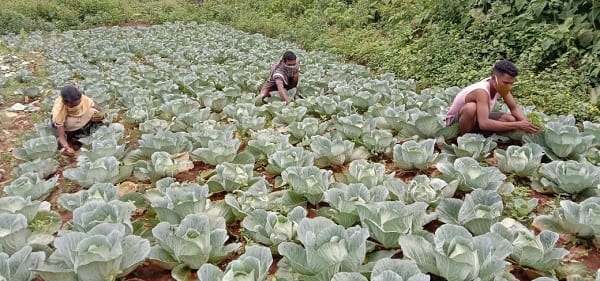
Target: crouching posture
(74, 115)
(284, 76)
(472, 106)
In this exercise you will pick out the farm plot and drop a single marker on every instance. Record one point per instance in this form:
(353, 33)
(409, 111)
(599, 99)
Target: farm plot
(357, 179)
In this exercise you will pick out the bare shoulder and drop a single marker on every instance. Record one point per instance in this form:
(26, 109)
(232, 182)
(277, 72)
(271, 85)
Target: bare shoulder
(477, 95)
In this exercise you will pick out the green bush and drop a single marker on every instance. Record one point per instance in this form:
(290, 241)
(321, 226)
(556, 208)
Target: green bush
(29, 15)
(13, 22)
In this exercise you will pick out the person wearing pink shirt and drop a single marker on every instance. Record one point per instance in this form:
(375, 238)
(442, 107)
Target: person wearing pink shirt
(472, 106)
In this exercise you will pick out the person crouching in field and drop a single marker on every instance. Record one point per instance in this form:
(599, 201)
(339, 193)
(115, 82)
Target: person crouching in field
(472, 106)
(73, 115)
(284, 76)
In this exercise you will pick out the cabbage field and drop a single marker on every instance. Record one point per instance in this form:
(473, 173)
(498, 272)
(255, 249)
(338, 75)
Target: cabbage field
(193, 177)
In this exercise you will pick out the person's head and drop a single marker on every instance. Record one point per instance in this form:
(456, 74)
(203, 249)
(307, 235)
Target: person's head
(290, 63)
(289, 58)
(71, 96)
(504, 75)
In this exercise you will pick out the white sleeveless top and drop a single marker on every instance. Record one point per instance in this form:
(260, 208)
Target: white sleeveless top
(459, 100)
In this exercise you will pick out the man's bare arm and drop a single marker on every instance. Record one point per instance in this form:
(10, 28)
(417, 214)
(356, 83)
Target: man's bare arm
(282, 90)
(515, 110)
(487, 124)
(63, 140)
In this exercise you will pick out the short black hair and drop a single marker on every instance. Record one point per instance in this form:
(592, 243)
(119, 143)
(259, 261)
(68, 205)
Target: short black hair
(506, 66)
(70, 93)
(288, 56)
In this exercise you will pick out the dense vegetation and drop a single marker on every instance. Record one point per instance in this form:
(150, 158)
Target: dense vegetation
(438, 43)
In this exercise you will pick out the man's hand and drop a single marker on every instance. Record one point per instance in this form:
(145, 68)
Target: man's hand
(527, 126)
(69, 151)
(97, 117)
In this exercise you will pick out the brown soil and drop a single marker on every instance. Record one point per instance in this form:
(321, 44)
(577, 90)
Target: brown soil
(583, 252)
(543, 200)
(311, 213)
(407, 175)
(67, 217)
(233, 256)
(149, 272)
(433, 226)
(271, 179)
(218, 196)
(273, 268)
(492, 161)
(592, 259)
(234, 230)
(341, 169)
(192, 175)
(525, 274)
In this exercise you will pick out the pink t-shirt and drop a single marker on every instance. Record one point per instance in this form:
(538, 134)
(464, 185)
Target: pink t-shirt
(459, 100)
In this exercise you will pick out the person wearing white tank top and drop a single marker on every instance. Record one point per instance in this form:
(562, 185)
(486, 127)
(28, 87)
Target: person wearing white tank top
(471, 108)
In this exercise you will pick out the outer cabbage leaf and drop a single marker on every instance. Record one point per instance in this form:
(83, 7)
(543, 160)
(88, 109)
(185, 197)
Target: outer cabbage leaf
(271, 228)
(520, 160)
(154, 126)
(378, 141)
(217, 152)
(480, 210)
(43, 167)
(19, 205)
(37, 148)
(344, 198)
(103, 170)
(162, 165)
(106, 252)
(176, 201)
(411, 155)
(326, 249)
(530, 250)
(387, 269)
(425, 125)
(306, 128)
(454, 254)
(252, 265)
(18, 266)
(231, 177)
(429, 190)
(292, 157)
(568, 177)
(31, 185)
(102, 192)
(256, 197)
(197, 240)
(308, 182)
(475, 146)
(101, 148)
(471, 175)
(335, 152)
(388, 220)
(267, 142)
(580, 219)
(15, 234)
(94, 213)
(561, 140)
